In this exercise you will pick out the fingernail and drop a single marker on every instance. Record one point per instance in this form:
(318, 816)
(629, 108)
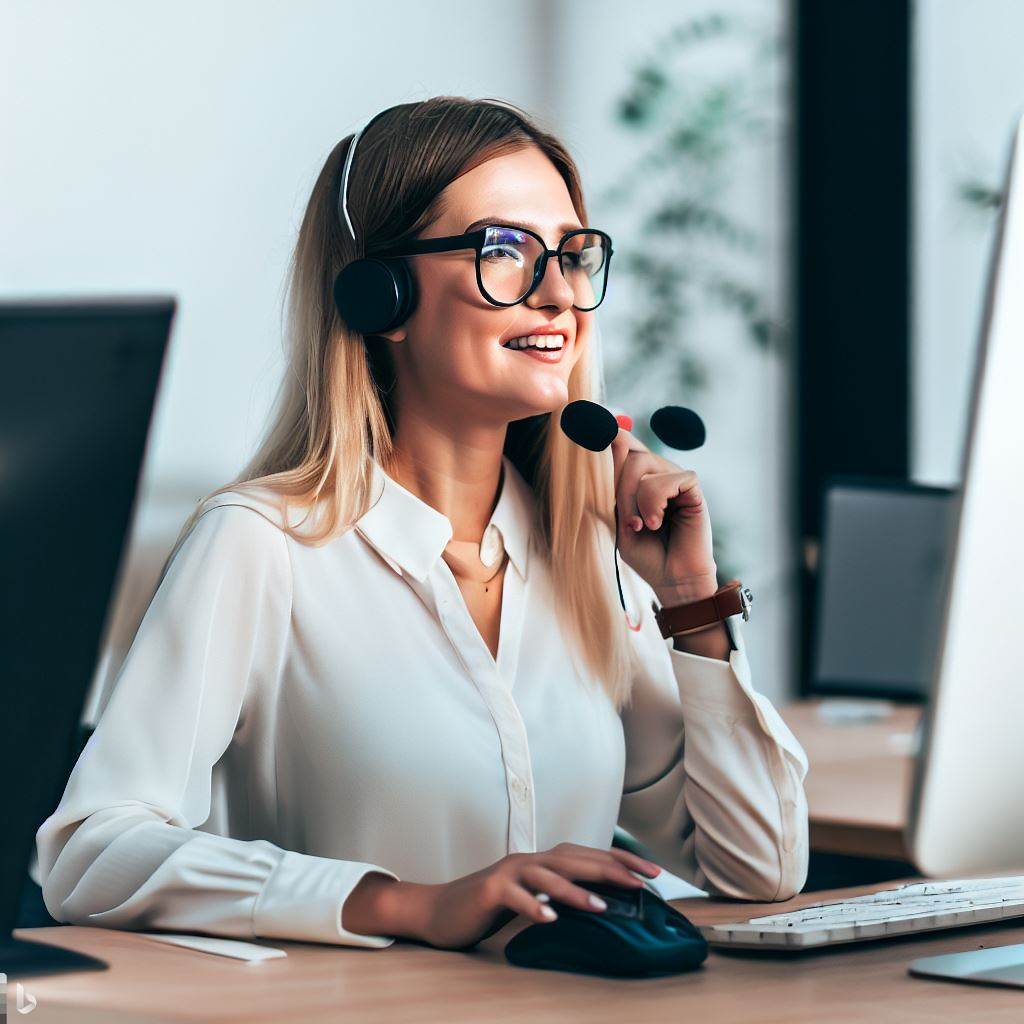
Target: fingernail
(597, 903)
(542, 897)
(638, 524)
(548, 913)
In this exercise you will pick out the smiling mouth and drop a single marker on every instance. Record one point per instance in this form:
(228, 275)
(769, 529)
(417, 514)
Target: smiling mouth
(558, 342)
(537, 343)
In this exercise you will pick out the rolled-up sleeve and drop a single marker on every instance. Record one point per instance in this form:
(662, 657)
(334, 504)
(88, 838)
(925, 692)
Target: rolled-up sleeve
(123, 848)
(714, 777)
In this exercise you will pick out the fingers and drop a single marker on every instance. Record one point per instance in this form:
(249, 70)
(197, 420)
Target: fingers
(542, 879)
(655, 490)
(535, 879)
(641, 483)
(620, 449)
(602, 869)
(516, 897)
(637, 863)
(622, 444)
(627, 857)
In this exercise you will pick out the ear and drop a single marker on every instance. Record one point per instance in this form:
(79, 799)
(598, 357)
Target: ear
(398, 334)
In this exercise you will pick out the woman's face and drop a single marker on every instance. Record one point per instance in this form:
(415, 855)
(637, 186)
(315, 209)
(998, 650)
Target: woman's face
(449, 358)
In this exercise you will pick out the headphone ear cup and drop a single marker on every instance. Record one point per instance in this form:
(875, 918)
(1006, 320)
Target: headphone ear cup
(406, 291)
(374, 295)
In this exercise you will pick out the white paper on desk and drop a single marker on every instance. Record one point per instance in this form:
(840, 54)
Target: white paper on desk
(672, 887)
(234, 948)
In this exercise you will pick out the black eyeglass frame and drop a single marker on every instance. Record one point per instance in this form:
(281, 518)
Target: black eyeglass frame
(475, 240)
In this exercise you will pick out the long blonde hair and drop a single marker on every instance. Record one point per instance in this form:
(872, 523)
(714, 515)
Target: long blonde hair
(333, 411)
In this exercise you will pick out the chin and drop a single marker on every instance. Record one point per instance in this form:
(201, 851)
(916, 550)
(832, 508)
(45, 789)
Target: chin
(551, 405)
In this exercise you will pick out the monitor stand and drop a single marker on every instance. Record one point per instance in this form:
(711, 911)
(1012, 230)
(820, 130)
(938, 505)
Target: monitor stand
(1003, 965)
(20, 958)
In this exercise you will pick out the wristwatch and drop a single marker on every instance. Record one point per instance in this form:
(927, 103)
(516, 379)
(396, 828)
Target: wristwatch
(731, 598)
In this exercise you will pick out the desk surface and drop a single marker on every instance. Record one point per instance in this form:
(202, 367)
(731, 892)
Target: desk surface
(862, 982)
(859, 781)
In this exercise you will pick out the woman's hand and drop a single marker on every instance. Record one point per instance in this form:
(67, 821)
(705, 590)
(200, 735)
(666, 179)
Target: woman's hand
(460, 913)
(672, 550)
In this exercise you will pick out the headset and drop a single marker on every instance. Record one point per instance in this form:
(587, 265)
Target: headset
(373, 294)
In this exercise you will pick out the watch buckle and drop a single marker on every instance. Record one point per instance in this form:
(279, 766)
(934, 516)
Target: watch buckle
(746, 600)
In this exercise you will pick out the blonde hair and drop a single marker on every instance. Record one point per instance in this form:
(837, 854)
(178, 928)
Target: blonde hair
(332, 412)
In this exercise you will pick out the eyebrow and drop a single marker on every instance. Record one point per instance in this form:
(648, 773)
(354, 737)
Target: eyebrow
(520, 223)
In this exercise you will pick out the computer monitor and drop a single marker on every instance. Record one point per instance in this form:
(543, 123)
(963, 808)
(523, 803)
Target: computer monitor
(881, 580)
(967, 814)
(77, 387)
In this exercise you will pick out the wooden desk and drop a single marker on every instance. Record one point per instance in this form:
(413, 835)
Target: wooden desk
(864, 982)
(859, 781)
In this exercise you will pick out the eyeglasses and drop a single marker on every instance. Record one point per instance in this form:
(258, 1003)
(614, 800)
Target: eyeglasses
(511, 260)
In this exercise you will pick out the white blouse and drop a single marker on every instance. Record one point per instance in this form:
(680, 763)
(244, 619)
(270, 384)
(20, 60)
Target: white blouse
(290, 717)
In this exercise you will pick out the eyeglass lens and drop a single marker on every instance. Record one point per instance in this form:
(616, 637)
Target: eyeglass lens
(509, 261)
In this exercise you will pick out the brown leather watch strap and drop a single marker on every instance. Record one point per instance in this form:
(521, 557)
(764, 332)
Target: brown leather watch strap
(731, 598)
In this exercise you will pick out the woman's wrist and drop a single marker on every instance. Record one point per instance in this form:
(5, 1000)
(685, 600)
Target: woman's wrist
(711, 642)
(381, 905)
(694, 588)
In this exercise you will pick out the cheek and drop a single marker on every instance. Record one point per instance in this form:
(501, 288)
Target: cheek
(464, 335)
(449, 302)
(584, 329)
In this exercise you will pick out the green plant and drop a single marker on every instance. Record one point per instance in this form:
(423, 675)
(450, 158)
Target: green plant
(690, 128)
(704, 99)
(980, 195)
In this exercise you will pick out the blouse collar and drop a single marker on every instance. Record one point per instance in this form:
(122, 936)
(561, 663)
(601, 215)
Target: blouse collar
(411, 534)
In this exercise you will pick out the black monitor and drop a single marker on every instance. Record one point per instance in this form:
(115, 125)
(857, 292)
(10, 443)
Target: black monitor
(880, 582)
(78, 379)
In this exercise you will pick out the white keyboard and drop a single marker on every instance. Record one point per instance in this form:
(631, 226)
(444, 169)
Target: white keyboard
(917, 907)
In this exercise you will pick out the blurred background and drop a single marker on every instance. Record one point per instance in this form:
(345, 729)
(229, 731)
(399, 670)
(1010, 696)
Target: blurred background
(802, 196)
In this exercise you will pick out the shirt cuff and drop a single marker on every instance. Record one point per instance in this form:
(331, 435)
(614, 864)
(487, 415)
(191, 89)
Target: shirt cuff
(711, 682)
(303, 898)
(725, 688)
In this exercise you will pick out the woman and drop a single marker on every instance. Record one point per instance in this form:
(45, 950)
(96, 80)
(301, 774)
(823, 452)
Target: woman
(384, 688)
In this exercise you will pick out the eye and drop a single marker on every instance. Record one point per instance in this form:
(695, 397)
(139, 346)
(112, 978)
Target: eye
(502, 244)
(496, 253)
(590, 259)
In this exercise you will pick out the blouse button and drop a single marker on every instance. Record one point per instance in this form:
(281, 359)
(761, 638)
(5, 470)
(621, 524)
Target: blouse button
(519, 788)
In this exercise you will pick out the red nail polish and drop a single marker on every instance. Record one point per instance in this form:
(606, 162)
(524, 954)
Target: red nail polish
(624, 421)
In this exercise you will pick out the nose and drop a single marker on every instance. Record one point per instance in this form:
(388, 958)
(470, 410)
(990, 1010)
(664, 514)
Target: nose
(553, 289)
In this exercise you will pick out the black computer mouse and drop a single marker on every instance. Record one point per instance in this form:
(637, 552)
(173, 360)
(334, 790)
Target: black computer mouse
(638, 936)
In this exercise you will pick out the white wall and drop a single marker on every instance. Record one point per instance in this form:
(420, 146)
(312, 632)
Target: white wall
(968, 89)
(172, 149)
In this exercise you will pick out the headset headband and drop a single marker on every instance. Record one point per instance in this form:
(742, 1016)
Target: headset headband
(343, 191)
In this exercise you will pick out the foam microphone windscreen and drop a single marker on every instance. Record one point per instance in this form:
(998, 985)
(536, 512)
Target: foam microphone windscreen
(678, 427)
(588, 424)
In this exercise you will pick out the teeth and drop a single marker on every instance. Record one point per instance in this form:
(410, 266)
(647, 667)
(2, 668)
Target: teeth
(536, 341)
